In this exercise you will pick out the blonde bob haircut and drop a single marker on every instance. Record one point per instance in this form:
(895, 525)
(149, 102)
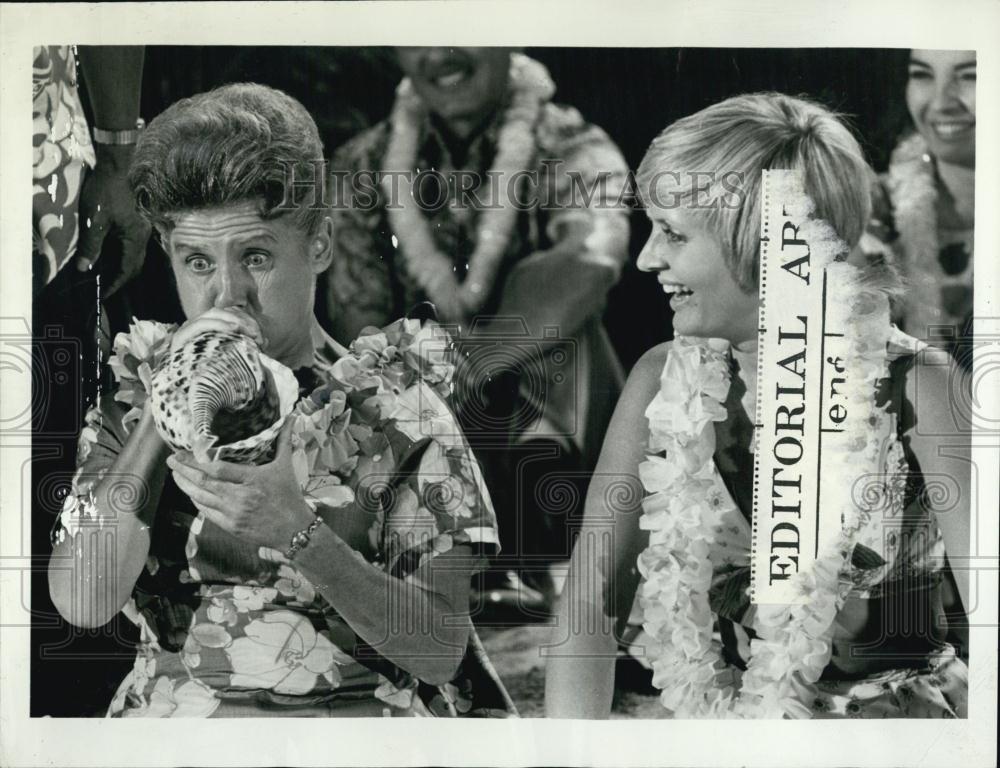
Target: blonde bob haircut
(732, 142)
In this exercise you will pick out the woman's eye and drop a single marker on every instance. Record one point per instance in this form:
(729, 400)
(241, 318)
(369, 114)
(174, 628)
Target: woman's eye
(198, 264)
(968, 77)
(672, 236)
(256, 259)
(920, 74)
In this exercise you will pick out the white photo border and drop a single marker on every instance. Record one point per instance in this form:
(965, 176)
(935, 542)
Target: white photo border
(26, 741)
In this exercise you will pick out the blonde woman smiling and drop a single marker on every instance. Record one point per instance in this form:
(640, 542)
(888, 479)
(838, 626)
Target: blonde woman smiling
(681, 440)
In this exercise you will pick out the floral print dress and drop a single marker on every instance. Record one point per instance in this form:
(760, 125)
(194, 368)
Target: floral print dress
(895, 665)
(890, 658)
(229, 629)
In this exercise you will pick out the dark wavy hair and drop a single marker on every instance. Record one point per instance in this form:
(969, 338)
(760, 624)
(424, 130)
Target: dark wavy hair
(233, 144)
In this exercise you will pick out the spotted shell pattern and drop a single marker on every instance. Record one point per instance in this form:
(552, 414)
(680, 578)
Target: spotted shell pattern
(219, 397)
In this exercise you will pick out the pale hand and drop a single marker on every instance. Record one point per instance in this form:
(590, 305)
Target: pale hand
(260, 505)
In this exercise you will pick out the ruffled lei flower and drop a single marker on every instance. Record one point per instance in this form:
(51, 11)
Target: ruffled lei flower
(687, 502)
(401, 373)
(135, 356)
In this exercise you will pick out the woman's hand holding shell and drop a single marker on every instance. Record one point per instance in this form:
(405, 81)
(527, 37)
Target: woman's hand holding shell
(261, 505)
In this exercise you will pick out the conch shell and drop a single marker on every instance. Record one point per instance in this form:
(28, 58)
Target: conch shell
(219, 397)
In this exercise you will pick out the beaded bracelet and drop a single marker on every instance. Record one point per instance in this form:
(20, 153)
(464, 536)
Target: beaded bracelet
(302, 538)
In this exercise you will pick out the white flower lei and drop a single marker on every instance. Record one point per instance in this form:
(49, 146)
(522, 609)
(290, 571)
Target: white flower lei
(913, 193)
(688, 502)
(531, 87)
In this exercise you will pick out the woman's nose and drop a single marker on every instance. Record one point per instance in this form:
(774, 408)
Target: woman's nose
(946, 96)
(234, 287)
(650, 259)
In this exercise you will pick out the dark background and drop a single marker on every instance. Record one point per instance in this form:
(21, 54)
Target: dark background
(631, 93)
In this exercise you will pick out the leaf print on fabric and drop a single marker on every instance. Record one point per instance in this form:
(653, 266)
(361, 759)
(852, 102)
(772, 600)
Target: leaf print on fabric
(222, 611)
(328, 490)
(448, 497)
(374, 472)
(283, 652)
(393, 696)
(445, 488)
(434, 465)
(293, 584)
(252, 598)
(190, 698)
(438, 546)
(420, 413)
(203, 636)
(210, 635)
(61, 150)
(409, 525)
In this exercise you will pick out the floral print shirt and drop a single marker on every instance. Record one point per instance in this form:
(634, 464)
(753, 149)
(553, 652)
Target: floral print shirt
(61, 150)
(381, 460)
(579, 177)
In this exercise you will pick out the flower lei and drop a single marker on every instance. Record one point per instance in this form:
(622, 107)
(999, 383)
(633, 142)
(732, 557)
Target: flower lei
(913, 192)
(531, 87)
(391, 372)
(401, 372)
(688, 502)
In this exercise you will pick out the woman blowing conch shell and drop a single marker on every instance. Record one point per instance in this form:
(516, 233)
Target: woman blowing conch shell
(255, 495)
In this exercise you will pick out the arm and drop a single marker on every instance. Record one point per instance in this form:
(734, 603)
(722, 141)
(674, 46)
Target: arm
(92, 572)
(943, 447)
(589, 232)
(116, 492)
(418, 620)
(114, 81)
(113, 78)
(603, 577)
(583, 276)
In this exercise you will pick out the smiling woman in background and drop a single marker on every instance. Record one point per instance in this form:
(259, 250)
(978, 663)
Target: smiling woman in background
(927, 212)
